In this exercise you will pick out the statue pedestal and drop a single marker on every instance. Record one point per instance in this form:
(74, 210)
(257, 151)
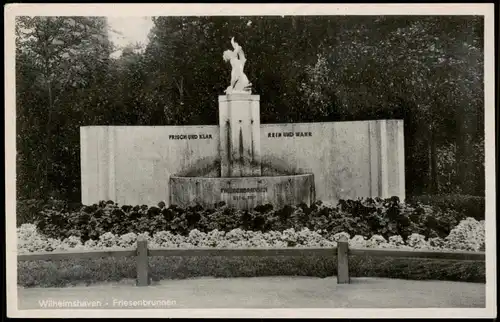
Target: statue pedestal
(239, 124)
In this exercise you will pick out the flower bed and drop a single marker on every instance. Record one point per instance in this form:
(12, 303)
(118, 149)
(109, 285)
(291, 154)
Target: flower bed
(468, 235)
(364, 217)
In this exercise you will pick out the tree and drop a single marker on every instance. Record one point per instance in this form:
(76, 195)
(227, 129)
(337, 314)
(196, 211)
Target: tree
(58, 59)
(426, 70)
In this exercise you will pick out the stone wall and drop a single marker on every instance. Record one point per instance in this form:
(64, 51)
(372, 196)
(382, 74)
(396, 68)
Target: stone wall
(348, 159)
(133, 164)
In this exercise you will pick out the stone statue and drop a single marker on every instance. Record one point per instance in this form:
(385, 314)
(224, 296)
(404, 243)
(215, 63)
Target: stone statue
(239, 81)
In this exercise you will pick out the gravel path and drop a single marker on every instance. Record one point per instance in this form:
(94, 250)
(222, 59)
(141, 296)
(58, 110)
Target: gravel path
(264, 292)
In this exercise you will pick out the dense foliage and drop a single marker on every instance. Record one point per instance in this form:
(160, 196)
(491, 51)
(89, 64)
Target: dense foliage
(30, 210)
(427, 71)
(468, 206)
(364, 217)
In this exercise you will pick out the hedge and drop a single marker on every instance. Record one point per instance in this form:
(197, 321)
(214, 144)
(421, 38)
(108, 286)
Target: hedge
(29, 211)
(72, 272)
(465, 205)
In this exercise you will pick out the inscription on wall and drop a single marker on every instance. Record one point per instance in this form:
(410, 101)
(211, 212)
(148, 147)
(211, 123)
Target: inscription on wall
(189, 136)
(243, 190)
(288, 134)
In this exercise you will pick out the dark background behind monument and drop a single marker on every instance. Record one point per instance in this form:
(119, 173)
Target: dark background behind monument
(425, 70)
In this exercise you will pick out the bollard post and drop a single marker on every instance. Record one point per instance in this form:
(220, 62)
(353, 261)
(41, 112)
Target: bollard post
(343, 261)
(142, 262)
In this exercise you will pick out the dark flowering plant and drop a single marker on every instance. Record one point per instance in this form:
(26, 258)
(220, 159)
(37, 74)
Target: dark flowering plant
(364, 217)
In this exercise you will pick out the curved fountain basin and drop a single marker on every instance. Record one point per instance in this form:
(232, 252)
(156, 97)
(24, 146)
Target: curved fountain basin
(242, 192)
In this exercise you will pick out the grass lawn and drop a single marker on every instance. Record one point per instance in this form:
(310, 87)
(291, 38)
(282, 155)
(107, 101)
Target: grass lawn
(268, 292)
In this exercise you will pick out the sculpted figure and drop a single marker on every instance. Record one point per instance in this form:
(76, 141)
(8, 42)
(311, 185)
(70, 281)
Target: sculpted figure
(239, 81)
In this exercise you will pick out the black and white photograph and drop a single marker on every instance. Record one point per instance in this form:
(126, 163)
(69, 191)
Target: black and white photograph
(182, 160)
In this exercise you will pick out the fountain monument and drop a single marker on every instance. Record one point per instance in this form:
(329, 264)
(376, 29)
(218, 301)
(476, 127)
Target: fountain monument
(241, 161)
